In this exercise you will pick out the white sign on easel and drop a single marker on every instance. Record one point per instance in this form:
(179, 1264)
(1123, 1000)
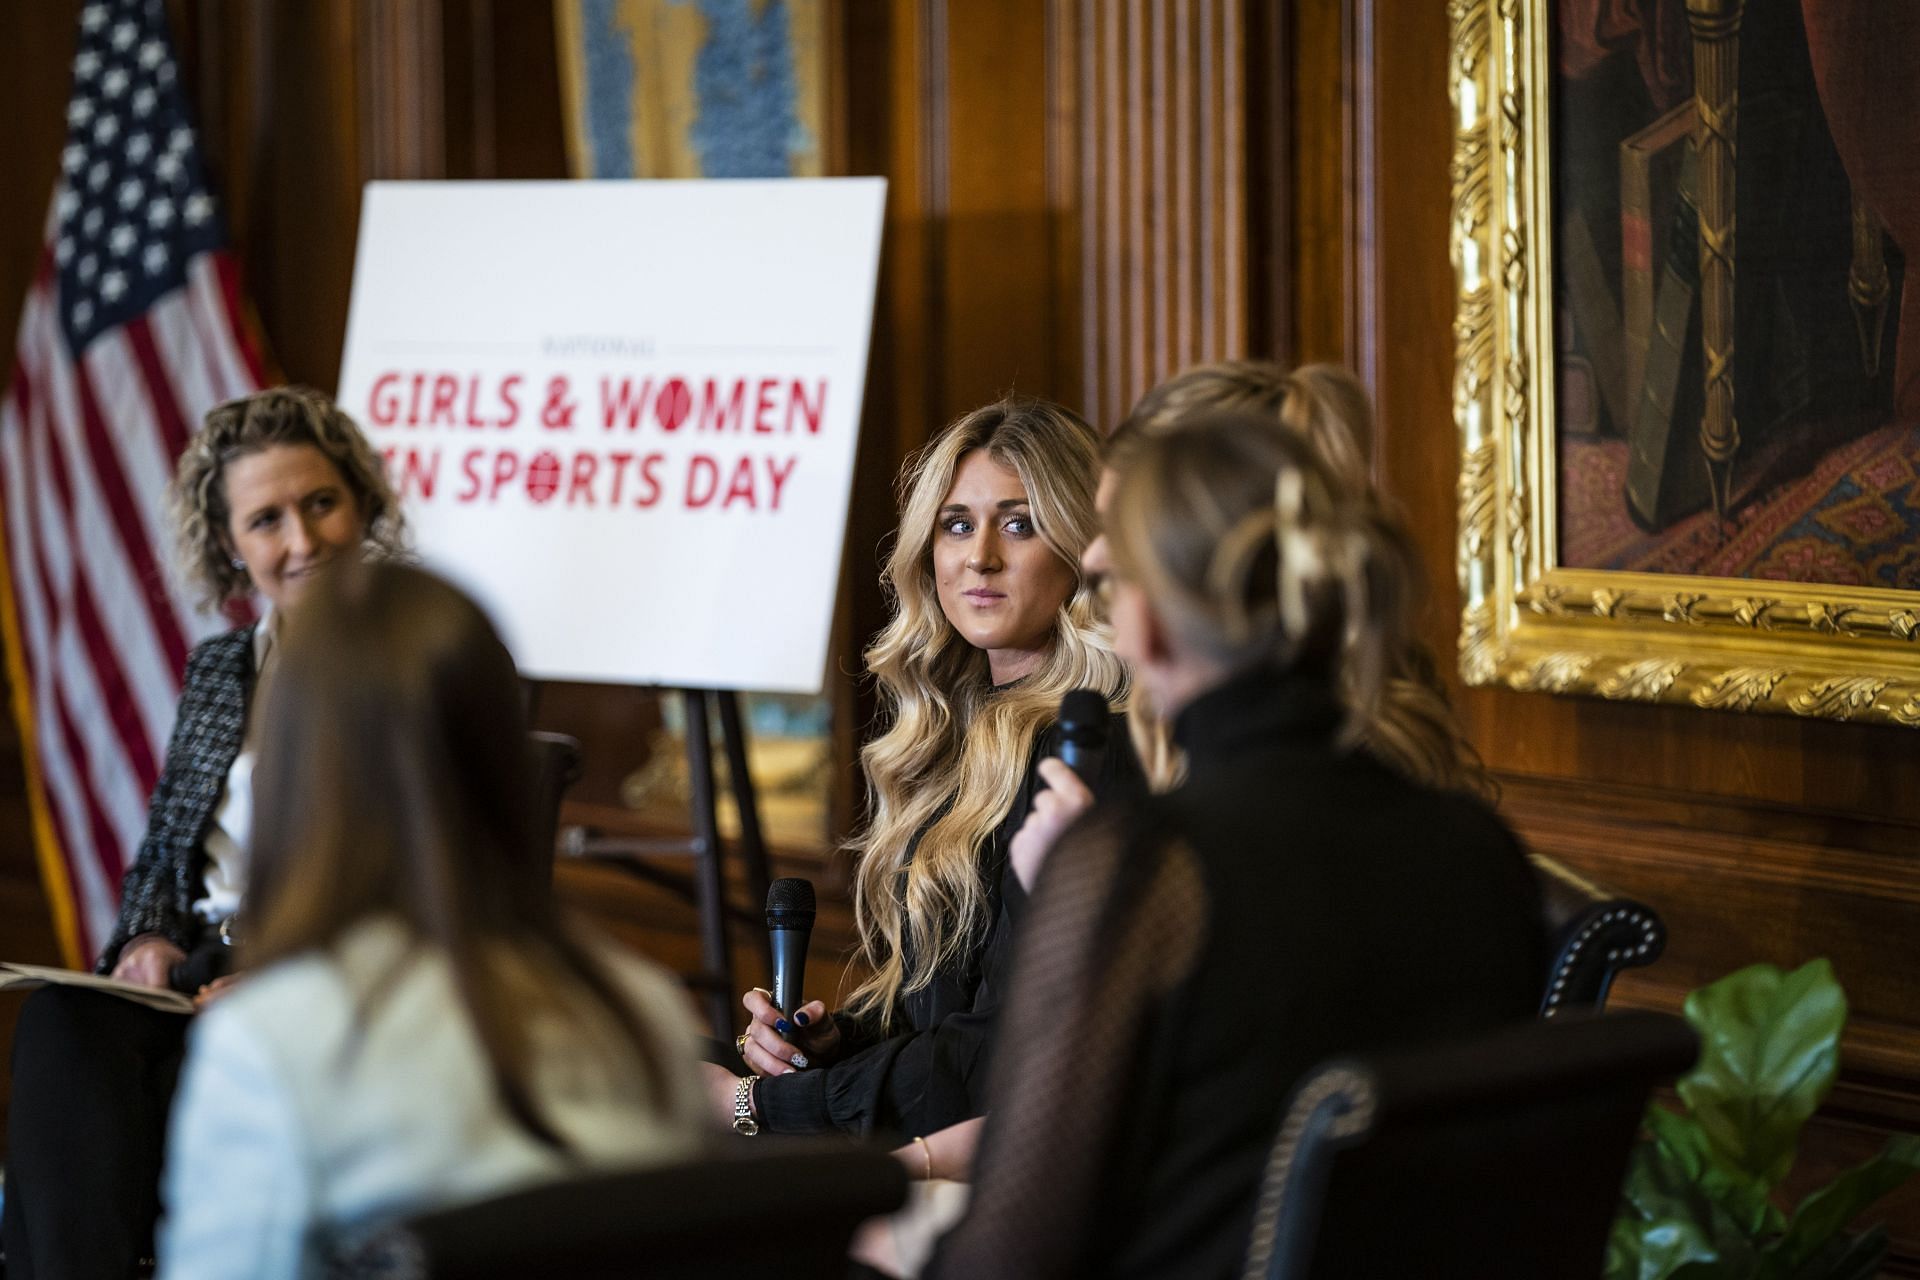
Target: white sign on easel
(623, 414)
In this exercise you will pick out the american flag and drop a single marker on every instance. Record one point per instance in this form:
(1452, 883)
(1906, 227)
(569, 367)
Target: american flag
(132, 330)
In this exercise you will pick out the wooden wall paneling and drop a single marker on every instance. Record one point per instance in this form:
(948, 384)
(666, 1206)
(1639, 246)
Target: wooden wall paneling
(1067, 70)
(877, 68)
(500, 67)
(987, 183)
(401, 66)
(36, 53)
(1316, 206)
(1334, 201)
(275, 90)
(1267, 57)
(1165, 153)
(471, 84)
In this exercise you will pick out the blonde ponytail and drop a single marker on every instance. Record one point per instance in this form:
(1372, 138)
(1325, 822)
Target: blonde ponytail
(1254, 553)
(1399, 710)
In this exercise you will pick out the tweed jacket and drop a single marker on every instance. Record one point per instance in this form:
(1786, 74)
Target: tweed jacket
(159, 890)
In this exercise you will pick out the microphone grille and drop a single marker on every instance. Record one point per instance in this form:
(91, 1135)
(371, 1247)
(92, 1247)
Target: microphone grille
(1084, 711)
(790, 897)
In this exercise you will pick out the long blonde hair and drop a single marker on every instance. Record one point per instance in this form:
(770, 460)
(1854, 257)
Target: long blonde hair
(1253, 553)
(951, 761)
(1410, 725)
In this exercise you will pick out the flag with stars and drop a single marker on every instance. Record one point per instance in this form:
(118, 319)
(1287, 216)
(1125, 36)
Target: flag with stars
(132, 330)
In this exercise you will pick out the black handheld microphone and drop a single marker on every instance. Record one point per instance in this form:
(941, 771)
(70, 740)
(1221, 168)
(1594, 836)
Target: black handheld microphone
(789, 926)
(1082, 730)
(202, 967)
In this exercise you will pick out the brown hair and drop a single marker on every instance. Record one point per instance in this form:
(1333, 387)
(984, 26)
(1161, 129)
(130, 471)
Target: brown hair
(396, 781)
(1411, 725)
(279, 416)
(948, 767)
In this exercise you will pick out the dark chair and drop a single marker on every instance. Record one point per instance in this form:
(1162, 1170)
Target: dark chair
(1593, 933)
(556, 767)
(783, 1209)
(1498, 1156)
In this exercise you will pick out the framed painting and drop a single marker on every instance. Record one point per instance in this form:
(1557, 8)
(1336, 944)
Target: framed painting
(1687, 378)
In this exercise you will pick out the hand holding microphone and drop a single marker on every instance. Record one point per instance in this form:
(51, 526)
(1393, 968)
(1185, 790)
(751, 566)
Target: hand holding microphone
(782, 1034)
(1082, 734)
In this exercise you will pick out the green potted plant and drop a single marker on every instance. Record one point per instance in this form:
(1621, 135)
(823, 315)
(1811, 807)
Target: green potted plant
(1701, 1199)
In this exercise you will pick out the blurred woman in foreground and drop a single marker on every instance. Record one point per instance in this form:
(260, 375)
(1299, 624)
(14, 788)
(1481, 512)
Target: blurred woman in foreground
(1192, 956)
(417, 1027)
(270, 493)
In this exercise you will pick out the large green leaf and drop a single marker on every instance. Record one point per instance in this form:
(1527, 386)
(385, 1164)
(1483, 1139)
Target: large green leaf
(1822, 1215)
(1623, 1248)
(1769, 1051)
(1671, 1224)
(1744, 1197)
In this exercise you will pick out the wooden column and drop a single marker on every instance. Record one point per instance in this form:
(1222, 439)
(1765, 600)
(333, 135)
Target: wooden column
(1162, 166)
(403, 92)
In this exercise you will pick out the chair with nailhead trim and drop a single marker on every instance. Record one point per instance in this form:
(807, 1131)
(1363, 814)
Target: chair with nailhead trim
(1496, 1156)
(1593, 932)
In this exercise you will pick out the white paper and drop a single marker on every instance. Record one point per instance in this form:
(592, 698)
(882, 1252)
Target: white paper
(18, 977)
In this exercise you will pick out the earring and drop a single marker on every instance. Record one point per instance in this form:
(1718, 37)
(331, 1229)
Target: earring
(239, 564)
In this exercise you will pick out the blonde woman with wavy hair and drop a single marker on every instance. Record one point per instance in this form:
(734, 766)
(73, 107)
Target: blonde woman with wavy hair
(993, 622)
(1409, 723)
(1188, 957)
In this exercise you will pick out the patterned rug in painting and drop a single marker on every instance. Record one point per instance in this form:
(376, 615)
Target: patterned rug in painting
(1852, 519)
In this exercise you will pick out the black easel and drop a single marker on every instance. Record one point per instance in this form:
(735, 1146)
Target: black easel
(706, 886)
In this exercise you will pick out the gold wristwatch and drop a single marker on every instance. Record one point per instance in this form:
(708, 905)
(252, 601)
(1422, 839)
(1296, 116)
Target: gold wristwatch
(743, 1122)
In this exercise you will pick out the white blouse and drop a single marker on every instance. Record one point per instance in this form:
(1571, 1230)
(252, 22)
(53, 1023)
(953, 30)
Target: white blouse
(304, 1118)
(229, 831)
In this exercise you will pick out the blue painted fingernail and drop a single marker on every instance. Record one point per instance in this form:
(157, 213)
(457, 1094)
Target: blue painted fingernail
(802, 1019)
(781, 1025)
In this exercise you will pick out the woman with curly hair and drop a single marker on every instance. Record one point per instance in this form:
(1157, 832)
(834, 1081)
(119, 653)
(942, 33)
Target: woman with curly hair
(270, 491)
(993, 623)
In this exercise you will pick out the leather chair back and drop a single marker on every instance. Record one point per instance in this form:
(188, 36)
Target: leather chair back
(556, 767)
(1502, 1155)
(1593, 932)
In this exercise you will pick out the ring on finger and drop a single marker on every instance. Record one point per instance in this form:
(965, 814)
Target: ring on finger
(740, 1044)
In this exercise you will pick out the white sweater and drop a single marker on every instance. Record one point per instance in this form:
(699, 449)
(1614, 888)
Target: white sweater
(292, 1126)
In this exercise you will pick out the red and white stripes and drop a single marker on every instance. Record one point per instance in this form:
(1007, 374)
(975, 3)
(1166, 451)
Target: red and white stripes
(100, 622)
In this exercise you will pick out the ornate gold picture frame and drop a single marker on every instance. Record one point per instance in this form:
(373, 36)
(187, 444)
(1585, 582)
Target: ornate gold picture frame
(1528, 620)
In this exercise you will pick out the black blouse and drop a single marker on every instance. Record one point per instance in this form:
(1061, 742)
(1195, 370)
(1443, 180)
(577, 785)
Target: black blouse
(1310, 903)
(931, 1071)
